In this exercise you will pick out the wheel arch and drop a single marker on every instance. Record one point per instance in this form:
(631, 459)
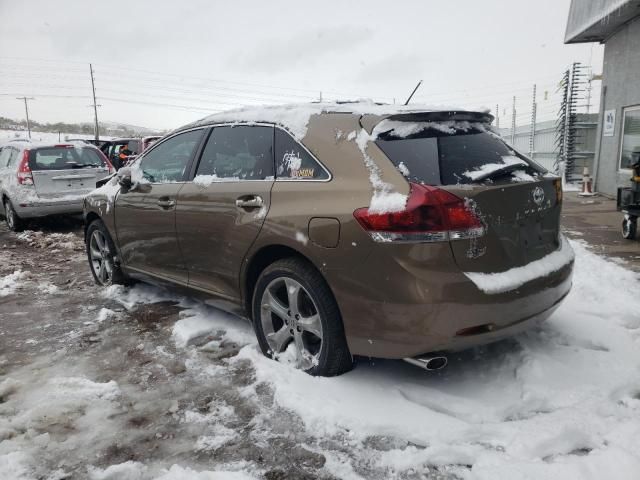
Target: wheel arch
(89, 219)
(260, 260)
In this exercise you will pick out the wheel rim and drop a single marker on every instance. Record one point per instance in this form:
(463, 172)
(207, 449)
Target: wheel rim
(10, 216)
(628, 226)
(289, 314)
(100, 257)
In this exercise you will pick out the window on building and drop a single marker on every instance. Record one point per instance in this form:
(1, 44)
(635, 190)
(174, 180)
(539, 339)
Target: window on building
(630, 150)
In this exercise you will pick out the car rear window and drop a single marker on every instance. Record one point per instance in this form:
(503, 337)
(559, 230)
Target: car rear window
(65, 158)
(450, 155)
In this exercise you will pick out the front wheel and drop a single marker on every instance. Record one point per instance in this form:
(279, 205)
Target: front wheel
(14, 222)
(629, 227)
(294, 312)
(102, 256)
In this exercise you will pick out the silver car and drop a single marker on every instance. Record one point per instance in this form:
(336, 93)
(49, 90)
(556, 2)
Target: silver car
(40, 179)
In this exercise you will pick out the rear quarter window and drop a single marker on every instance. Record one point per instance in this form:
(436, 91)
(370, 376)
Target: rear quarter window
(294, 162)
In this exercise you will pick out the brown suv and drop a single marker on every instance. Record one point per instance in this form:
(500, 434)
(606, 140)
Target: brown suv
(342, 230)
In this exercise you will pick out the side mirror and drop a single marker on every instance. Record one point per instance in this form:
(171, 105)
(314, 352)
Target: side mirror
(124, 177)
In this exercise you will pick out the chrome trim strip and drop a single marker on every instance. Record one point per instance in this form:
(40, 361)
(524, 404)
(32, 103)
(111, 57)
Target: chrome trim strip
(426, 237)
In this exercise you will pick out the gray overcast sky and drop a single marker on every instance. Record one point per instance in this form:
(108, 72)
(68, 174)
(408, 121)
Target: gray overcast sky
(179, 60)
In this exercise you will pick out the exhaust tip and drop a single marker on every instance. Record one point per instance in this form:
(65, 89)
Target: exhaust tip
(436, 362)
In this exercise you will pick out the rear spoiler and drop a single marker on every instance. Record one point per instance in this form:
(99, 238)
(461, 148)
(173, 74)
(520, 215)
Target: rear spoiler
(484, 117)
(368, 122)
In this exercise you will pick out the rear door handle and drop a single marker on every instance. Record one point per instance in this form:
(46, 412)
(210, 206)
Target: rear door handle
(166, 203)
(249, 201)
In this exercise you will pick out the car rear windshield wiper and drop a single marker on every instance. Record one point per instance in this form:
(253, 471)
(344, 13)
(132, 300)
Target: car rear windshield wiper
(501, 171)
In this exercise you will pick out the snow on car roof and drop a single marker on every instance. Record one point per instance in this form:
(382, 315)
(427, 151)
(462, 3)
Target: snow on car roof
(295, 117)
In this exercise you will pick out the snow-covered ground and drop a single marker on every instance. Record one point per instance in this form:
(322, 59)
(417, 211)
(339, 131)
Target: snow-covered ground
(6, 135)
(154, 389)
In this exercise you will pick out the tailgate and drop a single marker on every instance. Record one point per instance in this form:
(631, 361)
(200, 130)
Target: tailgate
(522, 222)
(67, 182)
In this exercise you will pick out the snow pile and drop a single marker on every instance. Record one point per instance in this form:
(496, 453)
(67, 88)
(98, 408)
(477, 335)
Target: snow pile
(141, 293)
(35, 416)
(181, 473)
(489, 168)
(50, 241)
(11, 282)
(200, 321)
(522, 176)
(493, 283)
(137, 471)
(302, 238)
(108, 192)
(400, 129)
(219, 436)
(404, 170)
(207, 180)
(384, 199)
(562, 401)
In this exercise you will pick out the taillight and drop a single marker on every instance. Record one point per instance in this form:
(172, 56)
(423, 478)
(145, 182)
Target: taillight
(557, 183)
(430, 215)
(107, 162)
(24, 172)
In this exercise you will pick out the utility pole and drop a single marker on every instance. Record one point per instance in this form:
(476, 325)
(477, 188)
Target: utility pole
(513, 121)
(532, 130)
(26, 109)
(497, 116)
(95, 105)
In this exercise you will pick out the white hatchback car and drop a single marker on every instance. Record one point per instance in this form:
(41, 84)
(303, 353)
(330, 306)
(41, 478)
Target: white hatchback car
(40, 179)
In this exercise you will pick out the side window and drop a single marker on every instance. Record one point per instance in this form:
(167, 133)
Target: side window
(13, 156)
(293, 161)
(241, 153)
(5, 155)
(167, 162)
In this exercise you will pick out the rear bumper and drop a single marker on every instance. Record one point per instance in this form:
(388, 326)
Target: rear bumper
(42, 208)
(423, 303)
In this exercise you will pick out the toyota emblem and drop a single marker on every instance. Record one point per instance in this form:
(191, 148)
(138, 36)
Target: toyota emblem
(538, 195)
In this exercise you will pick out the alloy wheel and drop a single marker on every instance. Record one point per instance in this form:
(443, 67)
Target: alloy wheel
(101, 258)
(10, 215)
(289, 314)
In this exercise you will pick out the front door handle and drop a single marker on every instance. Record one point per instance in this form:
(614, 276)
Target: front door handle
(166, 203)
(249, 201)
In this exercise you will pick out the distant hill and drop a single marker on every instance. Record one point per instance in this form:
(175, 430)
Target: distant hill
(110, 129)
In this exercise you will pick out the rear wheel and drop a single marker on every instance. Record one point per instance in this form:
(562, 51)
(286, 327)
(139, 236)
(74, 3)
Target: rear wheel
(295, 312)
(629, 227)
(14, 222)
(102, 256)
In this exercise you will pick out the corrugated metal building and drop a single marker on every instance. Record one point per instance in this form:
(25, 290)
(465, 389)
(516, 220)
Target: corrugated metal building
(545, 150)
(616, 24)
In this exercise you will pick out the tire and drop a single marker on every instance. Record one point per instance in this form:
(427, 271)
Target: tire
(14, 222)
(101, 253)
(314, 316)
(629, 227)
